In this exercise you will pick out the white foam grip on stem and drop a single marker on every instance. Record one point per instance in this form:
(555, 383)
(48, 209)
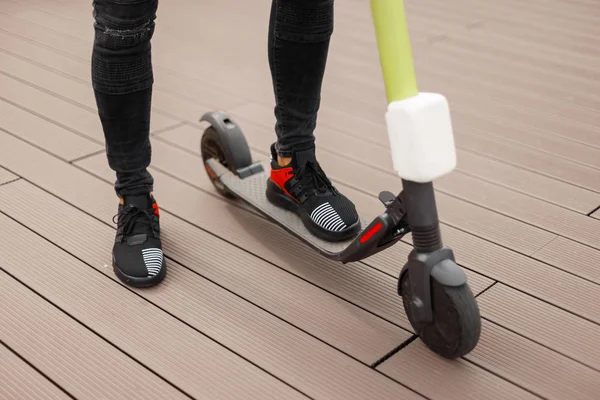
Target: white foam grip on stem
(421, 137)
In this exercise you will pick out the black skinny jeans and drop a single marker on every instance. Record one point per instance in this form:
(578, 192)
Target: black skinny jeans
(122, 77)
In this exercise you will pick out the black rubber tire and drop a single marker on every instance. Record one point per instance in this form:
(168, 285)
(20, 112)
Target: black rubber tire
(456, 325)
(231, 152)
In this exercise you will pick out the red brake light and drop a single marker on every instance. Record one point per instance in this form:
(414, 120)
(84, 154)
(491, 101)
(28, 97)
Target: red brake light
(370, 232)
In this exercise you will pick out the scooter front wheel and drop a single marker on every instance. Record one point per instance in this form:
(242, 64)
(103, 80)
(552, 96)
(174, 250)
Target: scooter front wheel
(456, 325)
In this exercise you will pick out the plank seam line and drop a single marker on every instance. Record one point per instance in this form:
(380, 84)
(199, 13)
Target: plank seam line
(140, 296)
(209, 280)
(486, 289)
(167, 128)
(394, 351)
(11, 181)
(71, 101)
(50, 120)
(525, 222)
(81, 323)
(512, 189)
(541, 131)
(539, 343)
(40, 44)
(549, 303)
(49, 92)
(40, 65)
(55, 31)
(14, 135)
(593, 211)
(158, 88)
(506, 379)
(494, 158)
(80, 158)
(78, 39)
(86, 42)
(36, 369)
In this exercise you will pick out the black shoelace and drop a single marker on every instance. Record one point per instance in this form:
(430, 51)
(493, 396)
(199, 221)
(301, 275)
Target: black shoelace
(312, 178)
(134, 217)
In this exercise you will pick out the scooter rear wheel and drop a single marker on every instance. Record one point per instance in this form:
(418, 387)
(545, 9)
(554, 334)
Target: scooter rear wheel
(231, 151)
(456, 324)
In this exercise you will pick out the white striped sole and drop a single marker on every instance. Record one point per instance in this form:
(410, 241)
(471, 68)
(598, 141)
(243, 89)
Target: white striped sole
(327, 218)
(153, 258)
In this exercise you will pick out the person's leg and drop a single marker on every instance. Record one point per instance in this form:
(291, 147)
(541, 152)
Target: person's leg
(122, 79)
(299, 36)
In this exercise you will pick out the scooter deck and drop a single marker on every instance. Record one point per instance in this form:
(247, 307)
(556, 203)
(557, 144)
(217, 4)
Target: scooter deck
(252, 190)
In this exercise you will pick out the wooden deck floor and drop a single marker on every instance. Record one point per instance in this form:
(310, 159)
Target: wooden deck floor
(249, 318)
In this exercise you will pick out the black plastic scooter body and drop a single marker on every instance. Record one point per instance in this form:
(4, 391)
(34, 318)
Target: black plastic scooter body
(248, 181)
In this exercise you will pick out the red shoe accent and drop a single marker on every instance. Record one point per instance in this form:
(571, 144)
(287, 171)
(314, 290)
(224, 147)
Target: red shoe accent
(156, 209)
(281, 176)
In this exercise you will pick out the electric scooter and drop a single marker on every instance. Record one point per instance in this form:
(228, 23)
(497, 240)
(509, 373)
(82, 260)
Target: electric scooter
(436, 296)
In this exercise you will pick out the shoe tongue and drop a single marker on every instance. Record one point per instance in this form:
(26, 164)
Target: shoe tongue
(302, 157)
(143, 202)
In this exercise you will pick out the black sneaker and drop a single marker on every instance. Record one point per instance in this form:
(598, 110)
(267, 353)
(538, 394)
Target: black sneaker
(303, 187)
(137, 253)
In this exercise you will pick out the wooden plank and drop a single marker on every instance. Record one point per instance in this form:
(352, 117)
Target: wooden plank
(535, 139)
(533, 77)
(532, 52)
(178, 96)
(51, 137)
(439, 378)
(75, 42)
(51, 108)
(530, 159)
(541, 322)
(551, 17)
(515, 24)
(490, 103)
(541, 187)
(129, 323)
(302, 361)
(532, 211)
(20, 381)
(517, 360)
(6, 176)
(572, 257)
(526, 274)
(82, 363)
(56, 84)
(533, 367)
